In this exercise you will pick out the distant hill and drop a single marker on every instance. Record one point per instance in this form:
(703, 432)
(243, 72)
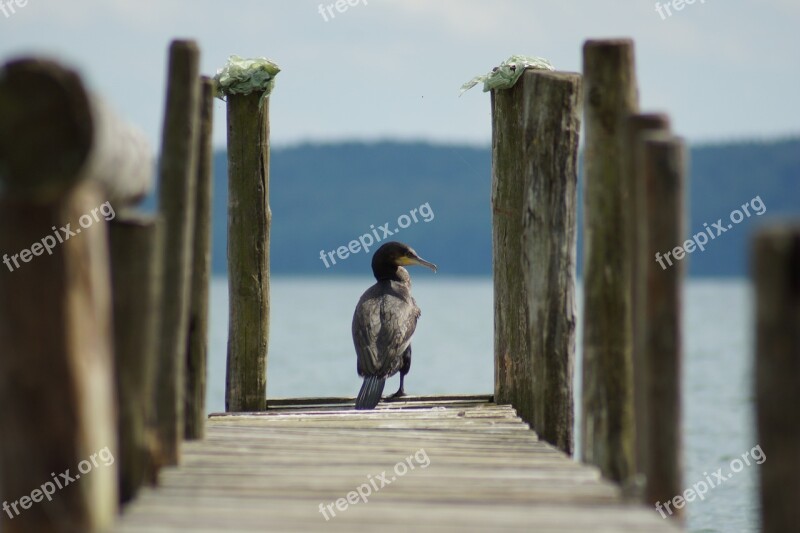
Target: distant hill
(325, 195)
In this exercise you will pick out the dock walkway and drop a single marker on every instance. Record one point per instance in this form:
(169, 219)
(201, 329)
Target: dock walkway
(425, 464)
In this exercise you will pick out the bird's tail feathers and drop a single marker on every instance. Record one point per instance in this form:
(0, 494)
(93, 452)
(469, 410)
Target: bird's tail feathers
(370, 393)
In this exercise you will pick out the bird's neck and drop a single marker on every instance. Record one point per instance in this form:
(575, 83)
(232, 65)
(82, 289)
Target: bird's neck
(396, 273)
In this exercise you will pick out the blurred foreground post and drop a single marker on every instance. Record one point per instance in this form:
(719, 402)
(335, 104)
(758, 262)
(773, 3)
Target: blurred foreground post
(68, 164)
(197, 340)
(249, 219)
(776, 273)
(136, 271)
(663, 164)
(56, 382)
(610, 95)
(178, 172)
(535, 128)
(636, 127)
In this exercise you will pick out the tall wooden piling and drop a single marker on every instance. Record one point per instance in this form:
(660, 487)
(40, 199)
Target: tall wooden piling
(178, 172)
(68, 164)
(776, 273)
(635, 127)
(249, 219)
(197, 341)
(663, 167)
(136, 271)
(610, 95)
(535, 128)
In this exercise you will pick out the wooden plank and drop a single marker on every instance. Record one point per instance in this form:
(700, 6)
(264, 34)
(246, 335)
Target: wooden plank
(272, 472)
(284, 402)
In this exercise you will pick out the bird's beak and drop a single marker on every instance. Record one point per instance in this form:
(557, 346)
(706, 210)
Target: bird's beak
(418, 261)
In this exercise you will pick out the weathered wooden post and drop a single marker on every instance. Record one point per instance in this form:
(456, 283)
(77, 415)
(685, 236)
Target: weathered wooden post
(178, 173)
(776, 273)
(663, 166)
(635, 127)
(197, 342)
(535, 128)
(136, 270)
(249, 219)
(68, 163)
(610, 95)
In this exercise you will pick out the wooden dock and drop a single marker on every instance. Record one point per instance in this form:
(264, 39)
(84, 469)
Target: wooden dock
(477, 467)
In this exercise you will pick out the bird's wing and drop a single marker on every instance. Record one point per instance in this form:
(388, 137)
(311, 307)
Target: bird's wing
(382, 330)
(397, 326)
(366, 325)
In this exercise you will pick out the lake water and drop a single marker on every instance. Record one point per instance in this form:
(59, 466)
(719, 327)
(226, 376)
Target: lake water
(311, 354)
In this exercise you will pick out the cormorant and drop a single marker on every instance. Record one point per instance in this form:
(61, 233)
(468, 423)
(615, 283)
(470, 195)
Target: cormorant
(384, 321)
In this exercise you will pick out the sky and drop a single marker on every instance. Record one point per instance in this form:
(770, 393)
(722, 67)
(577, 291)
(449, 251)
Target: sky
(391, 69)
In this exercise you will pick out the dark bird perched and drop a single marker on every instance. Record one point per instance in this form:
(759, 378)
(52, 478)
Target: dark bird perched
(384, 321)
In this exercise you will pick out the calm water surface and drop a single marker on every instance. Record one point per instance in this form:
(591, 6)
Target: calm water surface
(311, 354)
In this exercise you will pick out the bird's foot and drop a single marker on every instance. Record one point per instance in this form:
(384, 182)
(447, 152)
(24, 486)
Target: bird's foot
(396, 396)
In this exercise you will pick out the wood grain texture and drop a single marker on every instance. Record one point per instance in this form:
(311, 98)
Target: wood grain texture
(486, 471)
(535, 131)
(249, 219)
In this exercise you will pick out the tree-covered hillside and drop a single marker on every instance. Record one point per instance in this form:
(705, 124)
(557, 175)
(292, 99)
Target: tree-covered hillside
(324, 196)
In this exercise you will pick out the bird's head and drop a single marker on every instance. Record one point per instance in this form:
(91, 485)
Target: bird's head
(395, 254)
